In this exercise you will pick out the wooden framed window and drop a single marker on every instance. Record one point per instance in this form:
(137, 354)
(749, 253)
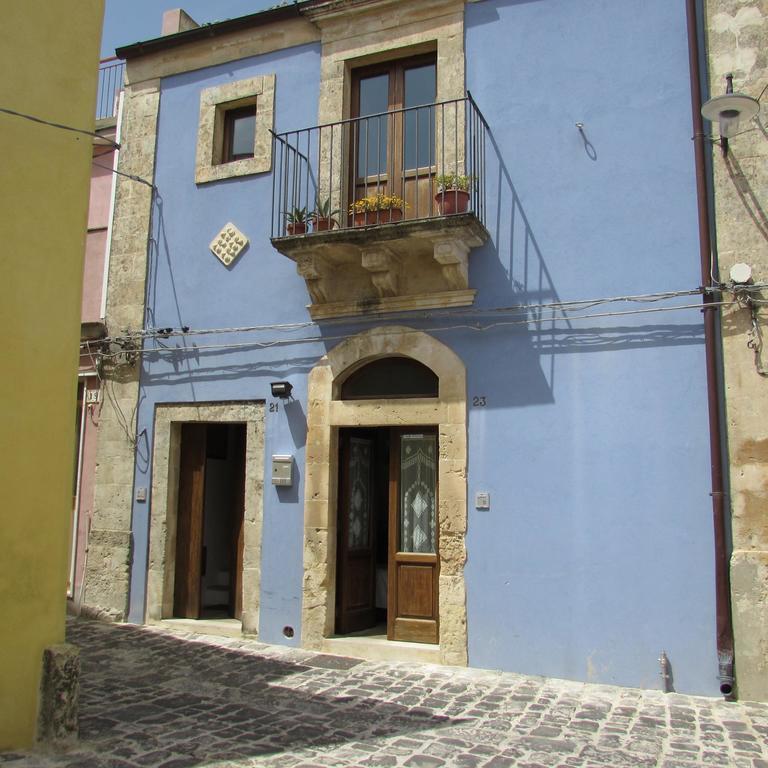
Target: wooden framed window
(393, 141)
(233, 132)
(239, 133)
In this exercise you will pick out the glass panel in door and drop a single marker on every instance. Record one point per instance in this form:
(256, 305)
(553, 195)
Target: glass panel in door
(373, 132)
(418, 482)
(420, 88)
(358, 534)
(356, 556)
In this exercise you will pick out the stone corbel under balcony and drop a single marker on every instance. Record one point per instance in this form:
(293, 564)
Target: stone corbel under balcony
(408, 265)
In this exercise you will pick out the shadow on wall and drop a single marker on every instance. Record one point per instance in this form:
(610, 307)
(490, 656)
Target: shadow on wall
(512, 281)
(746, 193)
(188, 360)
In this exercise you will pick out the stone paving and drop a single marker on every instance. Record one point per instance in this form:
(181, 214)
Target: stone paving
(154, 698)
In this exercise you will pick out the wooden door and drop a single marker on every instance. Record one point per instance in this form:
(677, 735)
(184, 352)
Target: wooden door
(393, 142)
(412, 605)
(356, 561)
(189, 532)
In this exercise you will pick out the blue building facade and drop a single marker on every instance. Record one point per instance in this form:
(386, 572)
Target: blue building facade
(571, 513)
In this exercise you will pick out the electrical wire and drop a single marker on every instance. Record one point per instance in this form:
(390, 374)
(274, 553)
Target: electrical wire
(478, 327)
(516, 309)
(123, 421)
(127, 175)
(60, 126)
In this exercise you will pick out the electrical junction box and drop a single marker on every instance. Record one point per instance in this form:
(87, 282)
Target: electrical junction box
(282, 470)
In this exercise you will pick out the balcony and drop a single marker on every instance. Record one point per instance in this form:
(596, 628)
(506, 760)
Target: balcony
(110, 85)
(420, 171)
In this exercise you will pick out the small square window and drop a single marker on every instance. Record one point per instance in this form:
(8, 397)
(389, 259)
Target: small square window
(233, 135)
(239, 134)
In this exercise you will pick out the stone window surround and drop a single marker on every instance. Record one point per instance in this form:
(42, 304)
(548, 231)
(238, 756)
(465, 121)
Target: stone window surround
(214, 103)
(164, 502)
(367, 35)
(379, 31)
(327, 414)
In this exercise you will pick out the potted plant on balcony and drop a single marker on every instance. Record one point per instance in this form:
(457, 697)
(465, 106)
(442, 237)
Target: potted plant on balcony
(377, 209)
(296, 221)
(452, 193)
(323, 216)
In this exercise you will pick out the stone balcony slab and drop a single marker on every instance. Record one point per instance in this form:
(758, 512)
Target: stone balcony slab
(407, 265)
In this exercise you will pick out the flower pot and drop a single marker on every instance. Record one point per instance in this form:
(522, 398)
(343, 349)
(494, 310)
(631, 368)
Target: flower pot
(452, 201)
(296, 228)
(385, 216)
(320, 224)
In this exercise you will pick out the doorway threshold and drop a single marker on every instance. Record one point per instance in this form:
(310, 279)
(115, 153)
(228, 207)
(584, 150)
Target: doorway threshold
(218, 627)
(373, 645)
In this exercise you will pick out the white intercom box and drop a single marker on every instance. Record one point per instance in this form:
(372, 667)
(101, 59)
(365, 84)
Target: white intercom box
(282, 470)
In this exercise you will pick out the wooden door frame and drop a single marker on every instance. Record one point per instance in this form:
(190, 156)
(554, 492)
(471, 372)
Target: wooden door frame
(238, 537)
(395, 68)
(189, 534)
(363, 618)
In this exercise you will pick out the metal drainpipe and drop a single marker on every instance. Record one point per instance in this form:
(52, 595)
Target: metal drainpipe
(722, 580)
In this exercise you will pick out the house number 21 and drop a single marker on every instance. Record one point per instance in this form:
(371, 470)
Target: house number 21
(479, 401)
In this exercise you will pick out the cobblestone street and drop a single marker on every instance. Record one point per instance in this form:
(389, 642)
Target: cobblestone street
(152, 698)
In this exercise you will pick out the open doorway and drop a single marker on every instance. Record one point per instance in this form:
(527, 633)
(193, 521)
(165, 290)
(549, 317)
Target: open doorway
(209, 534)
(387, 548)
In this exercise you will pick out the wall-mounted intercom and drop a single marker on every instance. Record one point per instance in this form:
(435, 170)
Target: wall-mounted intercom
(282, 470)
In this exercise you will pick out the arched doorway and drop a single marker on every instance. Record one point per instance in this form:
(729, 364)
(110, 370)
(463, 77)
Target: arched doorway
(414, 416)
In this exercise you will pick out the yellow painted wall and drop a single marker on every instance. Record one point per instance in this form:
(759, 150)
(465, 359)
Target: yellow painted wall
(49, 56)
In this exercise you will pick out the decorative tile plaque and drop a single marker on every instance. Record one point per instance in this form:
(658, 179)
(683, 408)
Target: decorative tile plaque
(228, 244)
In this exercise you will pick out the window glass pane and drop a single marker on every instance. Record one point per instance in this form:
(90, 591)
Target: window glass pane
(359, 493)
(372, 133)
(243, 134)
(390, 377)
(420, 88)
(418, 496)
(420, 85)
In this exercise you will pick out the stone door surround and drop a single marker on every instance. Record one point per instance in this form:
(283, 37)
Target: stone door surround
(327, 413)
(164, 499)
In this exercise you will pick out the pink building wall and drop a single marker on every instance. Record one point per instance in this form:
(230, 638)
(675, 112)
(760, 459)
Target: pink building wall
(93, 275)
(91, 314)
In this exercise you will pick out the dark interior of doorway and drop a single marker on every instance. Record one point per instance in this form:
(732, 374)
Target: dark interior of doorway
(366, 622)
(209, 542)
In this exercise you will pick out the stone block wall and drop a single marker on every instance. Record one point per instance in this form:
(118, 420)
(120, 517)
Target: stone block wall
(107, 570)
(737, 42)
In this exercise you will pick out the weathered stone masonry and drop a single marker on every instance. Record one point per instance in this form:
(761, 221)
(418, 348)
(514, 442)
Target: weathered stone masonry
(107, 573)
(737, 40)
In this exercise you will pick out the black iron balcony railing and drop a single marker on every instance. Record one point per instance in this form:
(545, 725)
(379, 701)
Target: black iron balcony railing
(414, 163)
(110, 85)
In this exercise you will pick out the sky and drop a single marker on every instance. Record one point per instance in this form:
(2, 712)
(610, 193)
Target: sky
(131, 21)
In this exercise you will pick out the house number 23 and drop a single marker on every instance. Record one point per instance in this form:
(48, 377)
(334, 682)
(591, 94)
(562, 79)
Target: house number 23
(479, 401)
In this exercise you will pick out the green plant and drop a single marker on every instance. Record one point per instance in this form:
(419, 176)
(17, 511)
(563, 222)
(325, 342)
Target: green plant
(453, 181)
(377, 202)
(296, 216)
(323, 210)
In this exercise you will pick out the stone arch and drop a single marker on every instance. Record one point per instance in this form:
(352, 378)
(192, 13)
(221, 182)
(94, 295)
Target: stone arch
(327, 414)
